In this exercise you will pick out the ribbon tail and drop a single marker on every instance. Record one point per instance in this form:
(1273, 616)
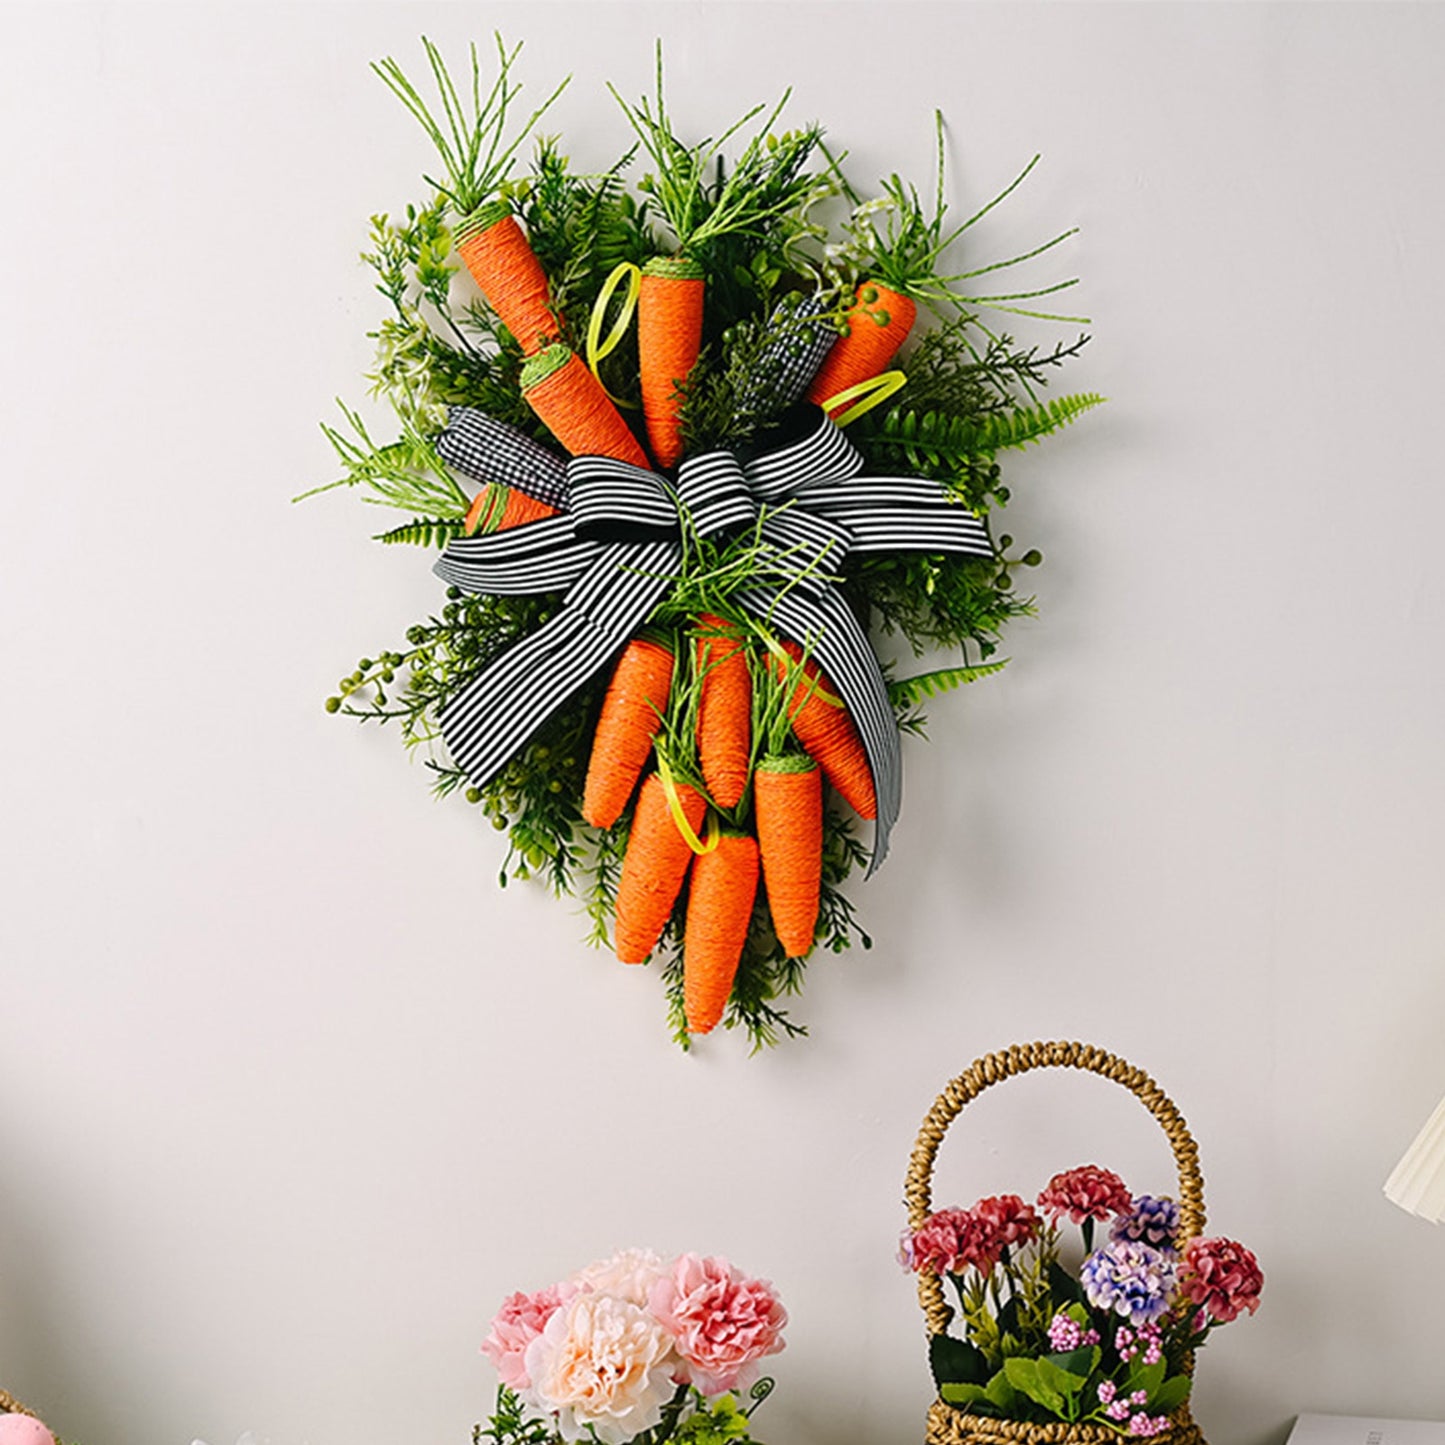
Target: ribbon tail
(827, 627)
(500, 708)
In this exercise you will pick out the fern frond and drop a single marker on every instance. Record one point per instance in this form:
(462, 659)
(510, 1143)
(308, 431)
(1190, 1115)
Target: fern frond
(910, 691)
(953, 441)
(423, 532)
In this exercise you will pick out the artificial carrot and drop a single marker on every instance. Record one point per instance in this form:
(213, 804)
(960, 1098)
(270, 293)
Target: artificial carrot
(788, 804)
(515, 508)
(669, 337)
(571, 402)
(653, 867)
(631, 714)
(878, 324)
(828, 735)
(509, 274)
(719, 910)
(724, 717)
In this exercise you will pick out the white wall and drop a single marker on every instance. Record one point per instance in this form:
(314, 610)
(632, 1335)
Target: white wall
(291, 1095)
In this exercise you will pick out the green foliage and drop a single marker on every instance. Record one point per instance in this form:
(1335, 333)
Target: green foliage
(910, 691)
(423, 532)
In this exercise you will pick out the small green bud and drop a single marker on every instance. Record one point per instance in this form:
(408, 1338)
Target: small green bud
(499, 822)
(453, 593)
(869, 295)
(882, 317)
(365, 665)
(473, 795)
(387, 674)
(416, 635)
(555, 786)
(1005, 542)
(1033, 557)
(333, 704)
(1002, 493)
(1004, 582)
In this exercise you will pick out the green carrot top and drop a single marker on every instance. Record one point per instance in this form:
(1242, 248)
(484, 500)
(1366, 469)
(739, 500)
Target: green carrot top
(697, 197)
(891, 239)
(470, 134)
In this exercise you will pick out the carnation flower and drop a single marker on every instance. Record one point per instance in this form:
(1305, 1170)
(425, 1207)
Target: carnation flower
(629, 1274)
(935, 1244)
(1221, 1277)
(722, 1322)
(1004, 1220)
(1129, 1278)
(1151, 1221)
(520, 1320)
(1087, 1192)
(601, 1365)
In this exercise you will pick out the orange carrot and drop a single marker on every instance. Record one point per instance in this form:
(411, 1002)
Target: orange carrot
(570, 400)
(878, 324)
(506, 269)
(669, 336)
(725, 710)
(653, 867)
(719, 910)
(631, 714)
(828, 735)
(516, 508)
(788, 798)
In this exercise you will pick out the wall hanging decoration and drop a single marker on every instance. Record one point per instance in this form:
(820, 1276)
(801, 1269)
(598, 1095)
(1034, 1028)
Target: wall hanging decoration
(1048, 1353)
(635, 1348)
(684, 449)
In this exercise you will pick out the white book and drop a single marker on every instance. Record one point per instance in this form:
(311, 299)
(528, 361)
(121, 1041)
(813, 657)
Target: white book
(1356, 1430)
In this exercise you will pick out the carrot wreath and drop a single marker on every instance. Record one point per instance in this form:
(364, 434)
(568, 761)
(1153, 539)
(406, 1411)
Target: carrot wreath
(662, 788)
(719, 911)
(475, 154)
(632, 712)
(701, 206)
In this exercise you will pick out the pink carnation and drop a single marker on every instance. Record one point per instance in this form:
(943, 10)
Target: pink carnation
(1005, 1220)
(1221, 1277)
(722, 1322)
(520, 1320)
(1087, 1192)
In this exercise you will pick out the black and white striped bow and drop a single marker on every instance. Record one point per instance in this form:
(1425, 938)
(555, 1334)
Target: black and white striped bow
(617, 551)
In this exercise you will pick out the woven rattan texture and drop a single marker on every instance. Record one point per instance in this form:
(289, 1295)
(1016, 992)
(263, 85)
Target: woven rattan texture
(9, 1405)
(947, 1426)
(950, 1426)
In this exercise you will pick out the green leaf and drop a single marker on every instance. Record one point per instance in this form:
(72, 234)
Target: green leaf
(1000, 1392)
(1170, 1395)
(952, 441)
(956, 1361)
(1008, 1316)
(1057, 1377)
(1063, 1286)
(957, 1393)
(1145, 1377)
(1026, 1377)
(910, 691)
(423, 532)
(1082, 1362)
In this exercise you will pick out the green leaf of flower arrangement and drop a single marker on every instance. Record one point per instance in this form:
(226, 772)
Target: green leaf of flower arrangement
(955, 1361)
(1170, 1395)
(1028, 1378)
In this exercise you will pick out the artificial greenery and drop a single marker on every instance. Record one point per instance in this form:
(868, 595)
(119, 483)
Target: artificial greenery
(970, 394)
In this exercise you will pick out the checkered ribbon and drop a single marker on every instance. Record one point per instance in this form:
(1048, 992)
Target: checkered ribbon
(617, 551)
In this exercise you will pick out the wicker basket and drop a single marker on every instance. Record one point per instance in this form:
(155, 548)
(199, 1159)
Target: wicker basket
(9, 1405)
(947, 1424)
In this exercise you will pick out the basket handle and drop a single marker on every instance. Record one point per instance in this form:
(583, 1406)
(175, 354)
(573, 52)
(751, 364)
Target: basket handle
(993, 1069)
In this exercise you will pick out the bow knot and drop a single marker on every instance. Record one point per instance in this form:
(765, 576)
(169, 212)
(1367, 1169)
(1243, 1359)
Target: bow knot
(620, 545)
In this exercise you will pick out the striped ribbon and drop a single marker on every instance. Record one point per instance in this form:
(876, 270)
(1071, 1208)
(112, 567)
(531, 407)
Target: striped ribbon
(617, 550)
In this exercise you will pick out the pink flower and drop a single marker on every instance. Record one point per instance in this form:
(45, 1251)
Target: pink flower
(723, 1323)
(520, 1320)
(603, 1367)
(1005, 1220)
(1087, 1192)
(1221, 1277)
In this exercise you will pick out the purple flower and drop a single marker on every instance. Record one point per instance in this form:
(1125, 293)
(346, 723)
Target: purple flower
(1129, 1278)
(1150, 1221)
(1066, 1334)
